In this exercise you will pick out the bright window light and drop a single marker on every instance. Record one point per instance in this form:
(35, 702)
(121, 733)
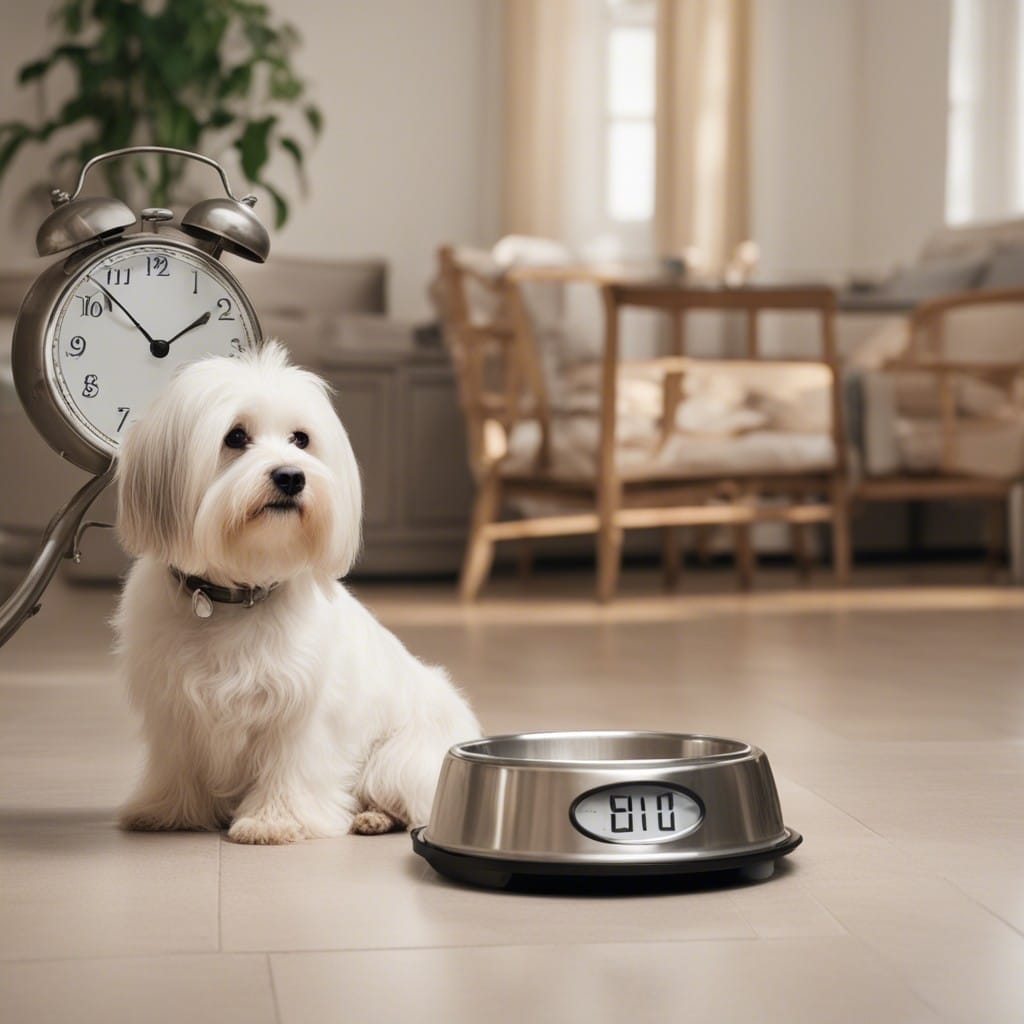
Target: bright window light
(631, 72)
(630, 177)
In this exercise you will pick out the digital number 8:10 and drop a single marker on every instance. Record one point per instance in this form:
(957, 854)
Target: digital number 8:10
(623, 814)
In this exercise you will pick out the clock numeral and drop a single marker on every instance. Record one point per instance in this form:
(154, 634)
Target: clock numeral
(224, 305)
(157, 266)
(76, 346)
(91, 387)
(119, 275)
(236, 347)
(195, 282)
(123, 410)
(91, 305)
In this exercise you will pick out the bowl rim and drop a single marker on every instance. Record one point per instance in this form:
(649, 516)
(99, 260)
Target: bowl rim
(738, 750)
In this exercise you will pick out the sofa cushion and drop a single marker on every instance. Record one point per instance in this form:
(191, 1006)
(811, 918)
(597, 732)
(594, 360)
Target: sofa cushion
(1006, 268)
(936, 277)
(574, 445)
(736, 418)
(296, 298)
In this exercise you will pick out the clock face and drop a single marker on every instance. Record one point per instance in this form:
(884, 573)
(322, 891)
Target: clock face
(128, 320)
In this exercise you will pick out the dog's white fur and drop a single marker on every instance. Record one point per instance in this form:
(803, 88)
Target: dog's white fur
(301, 716)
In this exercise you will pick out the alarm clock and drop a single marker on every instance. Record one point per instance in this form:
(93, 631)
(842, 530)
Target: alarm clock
(104, 328)
(131, 299)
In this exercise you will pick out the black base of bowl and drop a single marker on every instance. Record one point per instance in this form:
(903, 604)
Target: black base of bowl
(551, 876)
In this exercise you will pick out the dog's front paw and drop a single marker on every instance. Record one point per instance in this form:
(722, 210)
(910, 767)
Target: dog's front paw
(373, 822)
(257, 830)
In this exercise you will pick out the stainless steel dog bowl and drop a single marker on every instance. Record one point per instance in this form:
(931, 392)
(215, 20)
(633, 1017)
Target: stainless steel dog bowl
(590, 805)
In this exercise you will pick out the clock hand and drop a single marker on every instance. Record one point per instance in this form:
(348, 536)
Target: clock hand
(161, 348)
(123, 310)
(198, 322)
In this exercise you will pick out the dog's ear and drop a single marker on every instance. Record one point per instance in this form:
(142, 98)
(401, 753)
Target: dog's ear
(160, 470)
(346, 528)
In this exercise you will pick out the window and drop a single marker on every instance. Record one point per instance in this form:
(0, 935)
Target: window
(629, 110)
(985, 148)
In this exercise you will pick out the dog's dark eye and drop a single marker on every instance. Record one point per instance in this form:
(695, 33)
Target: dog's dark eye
(236, 438)
(300, 439)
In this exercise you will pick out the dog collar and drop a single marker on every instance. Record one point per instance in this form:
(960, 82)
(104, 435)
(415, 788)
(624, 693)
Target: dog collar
(204, 593)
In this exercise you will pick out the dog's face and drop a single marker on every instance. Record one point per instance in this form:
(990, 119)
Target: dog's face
(241, 471)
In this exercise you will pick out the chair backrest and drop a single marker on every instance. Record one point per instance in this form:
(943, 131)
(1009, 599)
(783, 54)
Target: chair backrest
(496, 364)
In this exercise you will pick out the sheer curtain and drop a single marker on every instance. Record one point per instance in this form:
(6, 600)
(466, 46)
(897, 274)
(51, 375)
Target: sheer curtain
(539, 38)
(558, 161)
(703, 108)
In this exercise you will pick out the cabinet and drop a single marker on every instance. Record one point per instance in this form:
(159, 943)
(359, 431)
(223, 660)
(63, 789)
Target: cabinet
(401, 411)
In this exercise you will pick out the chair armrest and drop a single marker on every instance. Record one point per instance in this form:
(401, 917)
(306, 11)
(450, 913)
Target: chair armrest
(945, 366)
(925, 314)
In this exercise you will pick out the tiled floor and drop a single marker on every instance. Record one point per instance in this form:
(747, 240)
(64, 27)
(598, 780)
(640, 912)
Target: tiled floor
(893, 715)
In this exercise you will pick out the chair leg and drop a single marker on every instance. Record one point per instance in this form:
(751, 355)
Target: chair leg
(997, 530)
(801, 550)
(703, 543)
(842, 553)
(525, 562)
(479, 547)
(671, 561)
(609, 543)
(609, 556)
(1015, 532)
(746, 559)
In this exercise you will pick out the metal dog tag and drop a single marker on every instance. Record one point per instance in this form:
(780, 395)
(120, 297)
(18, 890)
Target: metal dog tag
(202, 606)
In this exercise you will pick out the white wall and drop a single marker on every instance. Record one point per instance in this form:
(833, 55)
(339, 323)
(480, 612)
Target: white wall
(849, 134)
(902, 118)
(409, 156)
(803, 147)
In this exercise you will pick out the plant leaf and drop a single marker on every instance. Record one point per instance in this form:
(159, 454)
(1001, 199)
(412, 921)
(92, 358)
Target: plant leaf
(237, 82)
(36, 69)
(280, 205)
(291, 146)
(254, 147)
(315, 119)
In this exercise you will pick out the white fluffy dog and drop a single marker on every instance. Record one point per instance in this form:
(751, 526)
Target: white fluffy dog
(272, 701)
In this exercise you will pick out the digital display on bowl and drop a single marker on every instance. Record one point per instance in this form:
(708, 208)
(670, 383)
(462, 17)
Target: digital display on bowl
(637, 812)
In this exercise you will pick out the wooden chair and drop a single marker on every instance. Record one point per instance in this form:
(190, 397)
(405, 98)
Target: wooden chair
(502, 386)
(928, 352)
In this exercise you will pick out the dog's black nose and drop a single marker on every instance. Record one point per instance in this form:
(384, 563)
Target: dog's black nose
(288, 480)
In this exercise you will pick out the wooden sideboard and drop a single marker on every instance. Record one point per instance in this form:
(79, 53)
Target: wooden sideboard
(402, 415)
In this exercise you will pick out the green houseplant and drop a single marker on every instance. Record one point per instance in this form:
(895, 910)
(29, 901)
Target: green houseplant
(191, 74)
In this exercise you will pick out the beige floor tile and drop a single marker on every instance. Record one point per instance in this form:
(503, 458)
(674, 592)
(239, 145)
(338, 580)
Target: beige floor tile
(992, 874)
(819, 981)
(784, 909)
(374, 893)
(73, 885)
(955, 954)
(893, 716)
(153, 990)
